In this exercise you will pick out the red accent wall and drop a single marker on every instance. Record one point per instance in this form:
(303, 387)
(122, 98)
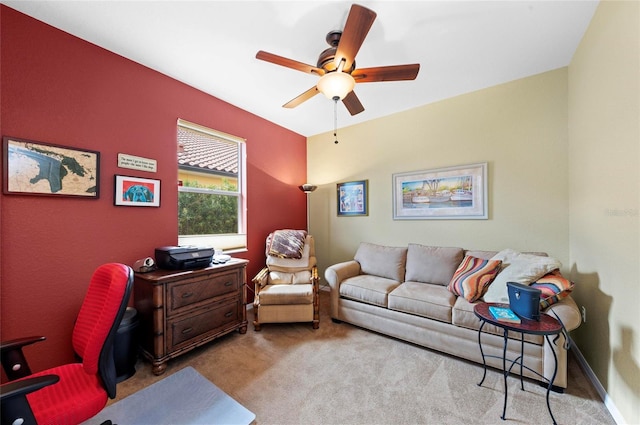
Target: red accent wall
(60, 89)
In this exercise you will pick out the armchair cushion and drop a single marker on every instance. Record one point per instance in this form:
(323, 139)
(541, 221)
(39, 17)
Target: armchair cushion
(286, 294)
(287, 278)
(305, 262)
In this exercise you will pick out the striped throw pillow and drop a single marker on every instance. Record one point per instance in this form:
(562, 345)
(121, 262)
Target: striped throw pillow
(554, 287)
(473, 277)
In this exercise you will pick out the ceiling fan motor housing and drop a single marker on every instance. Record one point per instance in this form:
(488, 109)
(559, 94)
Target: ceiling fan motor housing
(326, 58)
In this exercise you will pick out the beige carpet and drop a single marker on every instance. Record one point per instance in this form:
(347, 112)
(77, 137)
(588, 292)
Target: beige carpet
(340, 374)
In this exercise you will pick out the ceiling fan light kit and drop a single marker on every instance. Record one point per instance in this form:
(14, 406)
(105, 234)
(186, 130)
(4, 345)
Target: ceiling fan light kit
(336, 65)
(336, 84)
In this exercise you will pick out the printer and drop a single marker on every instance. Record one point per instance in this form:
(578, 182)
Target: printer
(183, 257)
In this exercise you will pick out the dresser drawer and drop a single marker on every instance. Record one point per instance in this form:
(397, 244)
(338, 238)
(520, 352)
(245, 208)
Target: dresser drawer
(195, 325)
(200, 290)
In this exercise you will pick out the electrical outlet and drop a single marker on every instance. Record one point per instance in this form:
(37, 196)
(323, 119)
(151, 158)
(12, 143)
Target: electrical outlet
(584, 314)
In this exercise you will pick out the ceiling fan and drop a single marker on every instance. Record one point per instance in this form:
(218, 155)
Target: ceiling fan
(336, 65)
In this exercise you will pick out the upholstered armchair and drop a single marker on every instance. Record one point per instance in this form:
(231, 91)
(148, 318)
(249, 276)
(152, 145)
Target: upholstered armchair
(287, 289)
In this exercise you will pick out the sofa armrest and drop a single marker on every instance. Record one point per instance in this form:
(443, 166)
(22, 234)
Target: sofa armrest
(567, 311)
(338, 272)
(335, 275)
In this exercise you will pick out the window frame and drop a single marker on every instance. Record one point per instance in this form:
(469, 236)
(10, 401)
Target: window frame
(229, 242)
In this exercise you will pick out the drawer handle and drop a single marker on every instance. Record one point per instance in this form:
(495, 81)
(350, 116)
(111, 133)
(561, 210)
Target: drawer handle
(228, 314)
(228, 283)
(186, 331)
(187, 294)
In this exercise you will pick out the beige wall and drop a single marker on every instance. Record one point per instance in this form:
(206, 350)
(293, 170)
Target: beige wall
(519, 129)
(563, 150)
(604, 207)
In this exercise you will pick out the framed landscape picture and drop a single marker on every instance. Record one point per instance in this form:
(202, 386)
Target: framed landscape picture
(136, 192)
(352, 198)
(445, 193)
(36, 168)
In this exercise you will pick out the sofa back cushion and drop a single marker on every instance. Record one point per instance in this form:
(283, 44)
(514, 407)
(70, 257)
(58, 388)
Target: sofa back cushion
(384, 261)
(432, 264)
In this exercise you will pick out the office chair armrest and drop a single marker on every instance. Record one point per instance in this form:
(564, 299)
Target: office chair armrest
(13, 397)
(13, 360)
(26, 386)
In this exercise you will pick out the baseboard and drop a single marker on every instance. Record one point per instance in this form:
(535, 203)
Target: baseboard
(608, 403)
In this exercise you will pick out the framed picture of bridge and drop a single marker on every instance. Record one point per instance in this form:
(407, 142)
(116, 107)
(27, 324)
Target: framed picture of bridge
(37, 168)
(137, 192)
(458, 192)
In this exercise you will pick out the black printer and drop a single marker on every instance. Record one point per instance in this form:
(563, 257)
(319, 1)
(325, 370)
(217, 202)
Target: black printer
(183, 257)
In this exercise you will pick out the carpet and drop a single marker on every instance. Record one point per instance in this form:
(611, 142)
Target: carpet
(186, 397)
(339, 374)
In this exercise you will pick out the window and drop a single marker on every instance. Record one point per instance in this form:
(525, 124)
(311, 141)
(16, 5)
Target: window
(211, 188)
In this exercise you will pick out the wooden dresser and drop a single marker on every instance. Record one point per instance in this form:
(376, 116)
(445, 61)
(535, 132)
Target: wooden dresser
(181, 310)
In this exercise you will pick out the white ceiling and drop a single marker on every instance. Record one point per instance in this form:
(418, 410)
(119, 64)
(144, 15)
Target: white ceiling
(462, 46)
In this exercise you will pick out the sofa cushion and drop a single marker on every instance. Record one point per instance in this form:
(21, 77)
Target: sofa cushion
(423, 299)
(432, 264)
(472, 277)
(554, 287)
(383, 261)
(520, 268)
(368, 289)
(485, 255)
(462, 315)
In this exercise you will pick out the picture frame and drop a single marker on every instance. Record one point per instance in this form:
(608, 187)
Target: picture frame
(458, 192)
(136, 191)
(352, 198)
(46, 169)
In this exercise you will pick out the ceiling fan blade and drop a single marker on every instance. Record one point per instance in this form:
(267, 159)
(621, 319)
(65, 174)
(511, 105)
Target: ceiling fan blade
(352, 103)
(289, 63)
(386, 73)
(301, 98)
(355, 31)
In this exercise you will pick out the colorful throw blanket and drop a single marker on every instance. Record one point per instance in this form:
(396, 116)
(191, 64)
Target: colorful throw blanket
(286, 243)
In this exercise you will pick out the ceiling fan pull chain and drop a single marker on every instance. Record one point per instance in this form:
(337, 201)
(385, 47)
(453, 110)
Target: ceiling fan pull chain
(335, 119)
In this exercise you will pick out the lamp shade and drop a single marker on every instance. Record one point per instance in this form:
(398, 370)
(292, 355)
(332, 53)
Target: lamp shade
(336, 84)
(307, 187)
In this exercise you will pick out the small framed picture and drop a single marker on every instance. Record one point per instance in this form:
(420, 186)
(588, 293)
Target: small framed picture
(137, 192)
(352, 198)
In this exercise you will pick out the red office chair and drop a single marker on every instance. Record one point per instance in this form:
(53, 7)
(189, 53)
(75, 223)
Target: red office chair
(71, 393)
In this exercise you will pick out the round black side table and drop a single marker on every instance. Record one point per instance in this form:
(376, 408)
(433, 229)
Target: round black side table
(547, 326)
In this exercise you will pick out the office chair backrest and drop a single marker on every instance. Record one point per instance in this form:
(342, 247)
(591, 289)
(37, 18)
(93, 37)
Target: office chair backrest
(102, 310)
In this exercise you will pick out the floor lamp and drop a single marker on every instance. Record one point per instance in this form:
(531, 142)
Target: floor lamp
(307, 189)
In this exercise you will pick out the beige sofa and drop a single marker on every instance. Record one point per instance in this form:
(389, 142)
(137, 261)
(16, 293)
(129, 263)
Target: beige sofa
(402, 292)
